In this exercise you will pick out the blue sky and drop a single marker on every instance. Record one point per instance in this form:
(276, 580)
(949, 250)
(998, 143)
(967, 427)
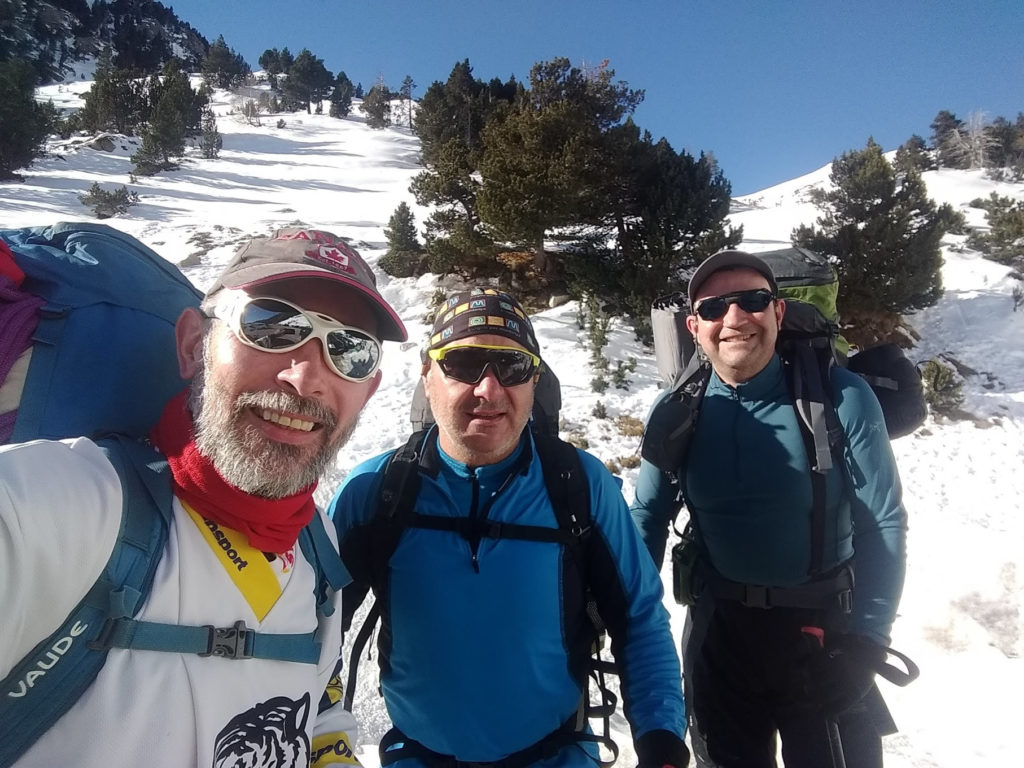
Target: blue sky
(774, 89)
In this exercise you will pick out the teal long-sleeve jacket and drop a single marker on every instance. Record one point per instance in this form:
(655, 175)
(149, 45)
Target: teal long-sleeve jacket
(747, 483)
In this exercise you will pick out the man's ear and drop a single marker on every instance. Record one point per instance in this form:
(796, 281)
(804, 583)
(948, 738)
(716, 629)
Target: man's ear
(188, 337)
(691, 325)
(780, 310)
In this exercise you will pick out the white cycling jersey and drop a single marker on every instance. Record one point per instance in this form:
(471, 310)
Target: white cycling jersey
(60, 509)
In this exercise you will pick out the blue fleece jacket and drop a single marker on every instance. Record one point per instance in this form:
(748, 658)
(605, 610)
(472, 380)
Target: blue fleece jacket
(478, 666)
(748, 483)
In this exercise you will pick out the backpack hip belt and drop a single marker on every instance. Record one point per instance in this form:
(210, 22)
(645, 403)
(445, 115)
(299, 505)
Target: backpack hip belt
(832, 591)
(395, 746)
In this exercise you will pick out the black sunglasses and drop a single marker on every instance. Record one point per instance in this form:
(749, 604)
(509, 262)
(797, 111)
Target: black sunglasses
(715, 307)
(469, 363)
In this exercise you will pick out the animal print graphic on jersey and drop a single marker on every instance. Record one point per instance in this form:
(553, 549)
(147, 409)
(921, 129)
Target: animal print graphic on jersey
(270, 735)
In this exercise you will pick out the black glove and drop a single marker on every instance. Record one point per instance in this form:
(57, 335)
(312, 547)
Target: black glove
(661, 749)
(840, 674)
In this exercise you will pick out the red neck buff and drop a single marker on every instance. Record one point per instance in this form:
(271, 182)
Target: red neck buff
(271, 525)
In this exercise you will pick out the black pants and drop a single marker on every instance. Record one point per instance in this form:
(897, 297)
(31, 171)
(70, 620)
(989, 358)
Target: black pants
(743, 670)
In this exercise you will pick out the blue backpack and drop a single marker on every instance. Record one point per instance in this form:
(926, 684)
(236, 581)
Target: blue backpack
(104, 365)
(103, 353)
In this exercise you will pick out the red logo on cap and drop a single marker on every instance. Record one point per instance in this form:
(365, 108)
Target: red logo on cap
(332, 256)
(315, 235)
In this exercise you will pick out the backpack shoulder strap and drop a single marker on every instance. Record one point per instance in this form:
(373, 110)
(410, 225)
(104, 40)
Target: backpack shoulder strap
(52, 677)
(809, 376)
(145, 478)
(396, 504)
(566, 483)
(669, 428)
(319, 551)
(569, 491)
(396, 501)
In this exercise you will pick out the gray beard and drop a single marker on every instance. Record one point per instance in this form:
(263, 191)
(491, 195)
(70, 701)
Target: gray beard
(243, 456)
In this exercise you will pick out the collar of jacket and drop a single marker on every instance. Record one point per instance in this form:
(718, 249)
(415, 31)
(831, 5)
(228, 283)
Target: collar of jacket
(764, 386)
(431, 459)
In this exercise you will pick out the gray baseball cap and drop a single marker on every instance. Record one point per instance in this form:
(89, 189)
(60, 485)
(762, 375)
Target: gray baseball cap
(308, 253)
(728, 260)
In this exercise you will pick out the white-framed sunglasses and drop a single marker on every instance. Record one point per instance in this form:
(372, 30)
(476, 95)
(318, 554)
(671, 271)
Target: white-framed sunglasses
(274, 325)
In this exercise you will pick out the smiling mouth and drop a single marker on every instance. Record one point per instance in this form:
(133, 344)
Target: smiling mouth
(485, 416)
(745, 337)
(284, 421)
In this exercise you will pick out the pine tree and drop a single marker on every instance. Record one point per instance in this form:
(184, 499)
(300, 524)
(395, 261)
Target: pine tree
(24, 122)
(173, 84)
(251, 112)
(406, 92)
(946, 140)
(341, 96)
(404, 255)
(223, 67)
(164, 139)
(140, 45)
(174, 102)
(663, 211)
(117, 101)
(275, 62)
(538, 160)
(913, 155)
(211, 141)
(883, 232)
(377, 107)
(449, 121)
(1005, 144)
(401, 230)
(308, 81)
(458, 109)
(1004, 240)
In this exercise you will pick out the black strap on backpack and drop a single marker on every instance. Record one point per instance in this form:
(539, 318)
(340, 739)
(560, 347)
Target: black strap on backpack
(808, 370)
(807, 353)
(569, 492)
(670, 426)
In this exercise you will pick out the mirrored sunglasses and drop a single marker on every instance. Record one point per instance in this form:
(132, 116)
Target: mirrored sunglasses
(276, 325)
(715, 307)
(468, 363)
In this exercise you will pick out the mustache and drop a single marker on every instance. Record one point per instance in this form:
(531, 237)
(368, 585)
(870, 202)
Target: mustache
(310, 409)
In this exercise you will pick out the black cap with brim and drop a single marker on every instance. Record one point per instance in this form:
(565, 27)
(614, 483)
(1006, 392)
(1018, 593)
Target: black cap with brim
(728, 260)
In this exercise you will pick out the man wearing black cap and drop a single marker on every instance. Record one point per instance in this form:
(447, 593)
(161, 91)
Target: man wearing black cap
(484, 634)
(774, 644)
(282, 357)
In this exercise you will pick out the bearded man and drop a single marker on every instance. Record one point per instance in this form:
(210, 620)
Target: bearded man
(282, 357)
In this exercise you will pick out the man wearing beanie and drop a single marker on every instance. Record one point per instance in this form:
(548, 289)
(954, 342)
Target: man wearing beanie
(230, 655)
(484, 541)
(782, 638)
